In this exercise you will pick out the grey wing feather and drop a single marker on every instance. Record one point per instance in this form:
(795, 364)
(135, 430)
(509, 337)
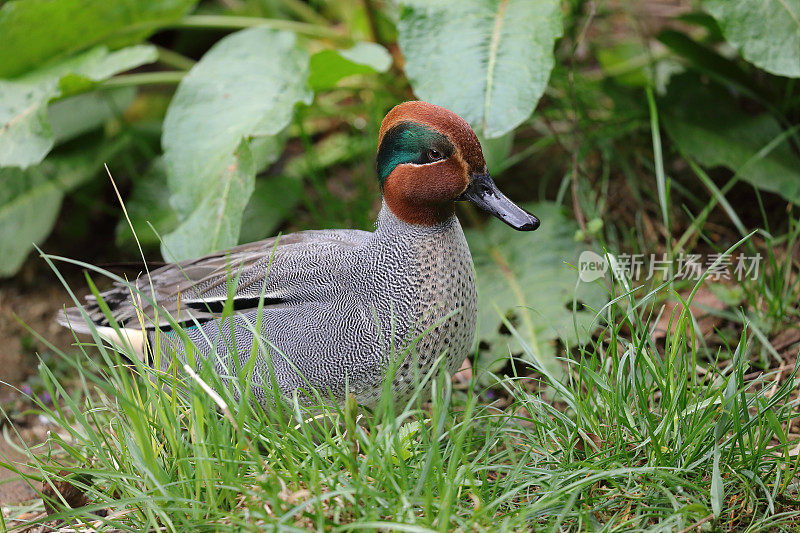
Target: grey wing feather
(187, 289)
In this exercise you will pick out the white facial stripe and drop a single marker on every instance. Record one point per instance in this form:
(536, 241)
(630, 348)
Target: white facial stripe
(424, 164)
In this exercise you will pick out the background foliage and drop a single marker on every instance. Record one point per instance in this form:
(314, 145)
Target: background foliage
(666, 127)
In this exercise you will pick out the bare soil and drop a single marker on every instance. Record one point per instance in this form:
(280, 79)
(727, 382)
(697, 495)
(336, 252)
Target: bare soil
(28, 304)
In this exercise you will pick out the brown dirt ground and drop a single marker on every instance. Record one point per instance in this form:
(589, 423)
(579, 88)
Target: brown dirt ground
(31, 299)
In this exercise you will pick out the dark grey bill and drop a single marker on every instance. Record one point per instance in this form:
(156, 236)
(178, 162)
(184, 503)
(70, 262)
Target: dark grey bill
(484, 193)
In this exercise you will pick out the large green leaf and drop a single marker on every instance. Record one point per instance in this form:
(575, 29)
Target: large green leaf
(274, 197)
(216, 221)
(79, 114)
(528, 277)
(26, 135)
(30, 199)
(766, 32)
(25, 132)
(705, 123)
(487, 60)
(246, 86)
(39, 31)
(273, 200)
(329, 66)
(148, 204)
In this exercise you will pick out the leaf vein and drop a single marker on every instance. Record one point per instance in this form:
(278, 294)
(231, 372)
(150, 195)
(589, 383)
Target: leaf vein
(494, 45)
(792, 13)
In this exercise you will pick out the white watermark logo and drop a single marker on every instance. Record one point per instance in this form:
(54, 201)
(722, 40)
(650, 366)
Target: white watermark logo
(635, 267)
(591, 266)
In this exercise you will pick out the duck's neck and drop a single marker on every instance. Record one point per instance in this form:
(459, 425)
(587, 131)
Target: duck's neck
(416, 212)
(389, 224)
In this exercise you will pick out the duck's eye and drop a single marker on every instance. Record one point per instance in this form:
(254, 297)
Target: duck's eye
(434, 155)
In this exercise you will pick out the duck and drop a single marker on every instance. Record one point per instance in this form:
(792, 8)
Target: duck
(335, 312)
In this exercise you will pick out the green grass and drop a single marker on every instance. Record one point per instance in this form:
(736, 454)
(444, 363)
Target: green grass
(635, 436)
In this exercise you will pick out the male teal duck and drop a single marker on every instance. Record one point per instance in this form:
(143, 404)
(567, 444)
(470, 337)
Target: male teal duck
(340, 307)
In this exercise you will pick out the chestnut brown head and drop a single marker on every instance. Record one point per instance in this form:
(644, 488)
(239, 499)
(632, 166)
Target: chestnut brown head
(429, 158)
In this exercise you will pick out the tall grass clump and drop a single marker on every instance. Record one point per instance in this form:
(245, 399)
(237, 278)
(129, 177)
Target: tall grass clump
(634, 436)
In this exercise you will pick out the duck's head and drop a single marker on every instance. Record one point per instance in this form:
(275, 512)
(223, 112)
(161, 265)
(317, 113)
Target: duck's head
(429, 158)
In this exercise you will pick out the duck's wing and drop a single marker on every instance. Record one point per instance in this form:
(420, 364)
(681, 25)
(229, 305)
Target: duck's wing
(280, 270)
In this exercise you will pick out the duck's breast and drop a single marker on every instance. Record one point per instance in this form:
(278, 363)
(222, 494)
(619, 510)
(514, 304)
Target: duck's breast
(445, 306)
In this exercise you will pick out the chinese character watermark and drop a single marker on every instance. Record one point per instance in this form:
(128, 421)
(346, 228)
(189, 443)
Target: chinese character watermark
(636, 267)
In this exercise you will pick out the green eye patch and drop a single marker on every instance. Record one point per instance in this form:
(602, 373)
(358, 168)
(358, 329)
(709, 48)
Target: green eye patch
(409, 142)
